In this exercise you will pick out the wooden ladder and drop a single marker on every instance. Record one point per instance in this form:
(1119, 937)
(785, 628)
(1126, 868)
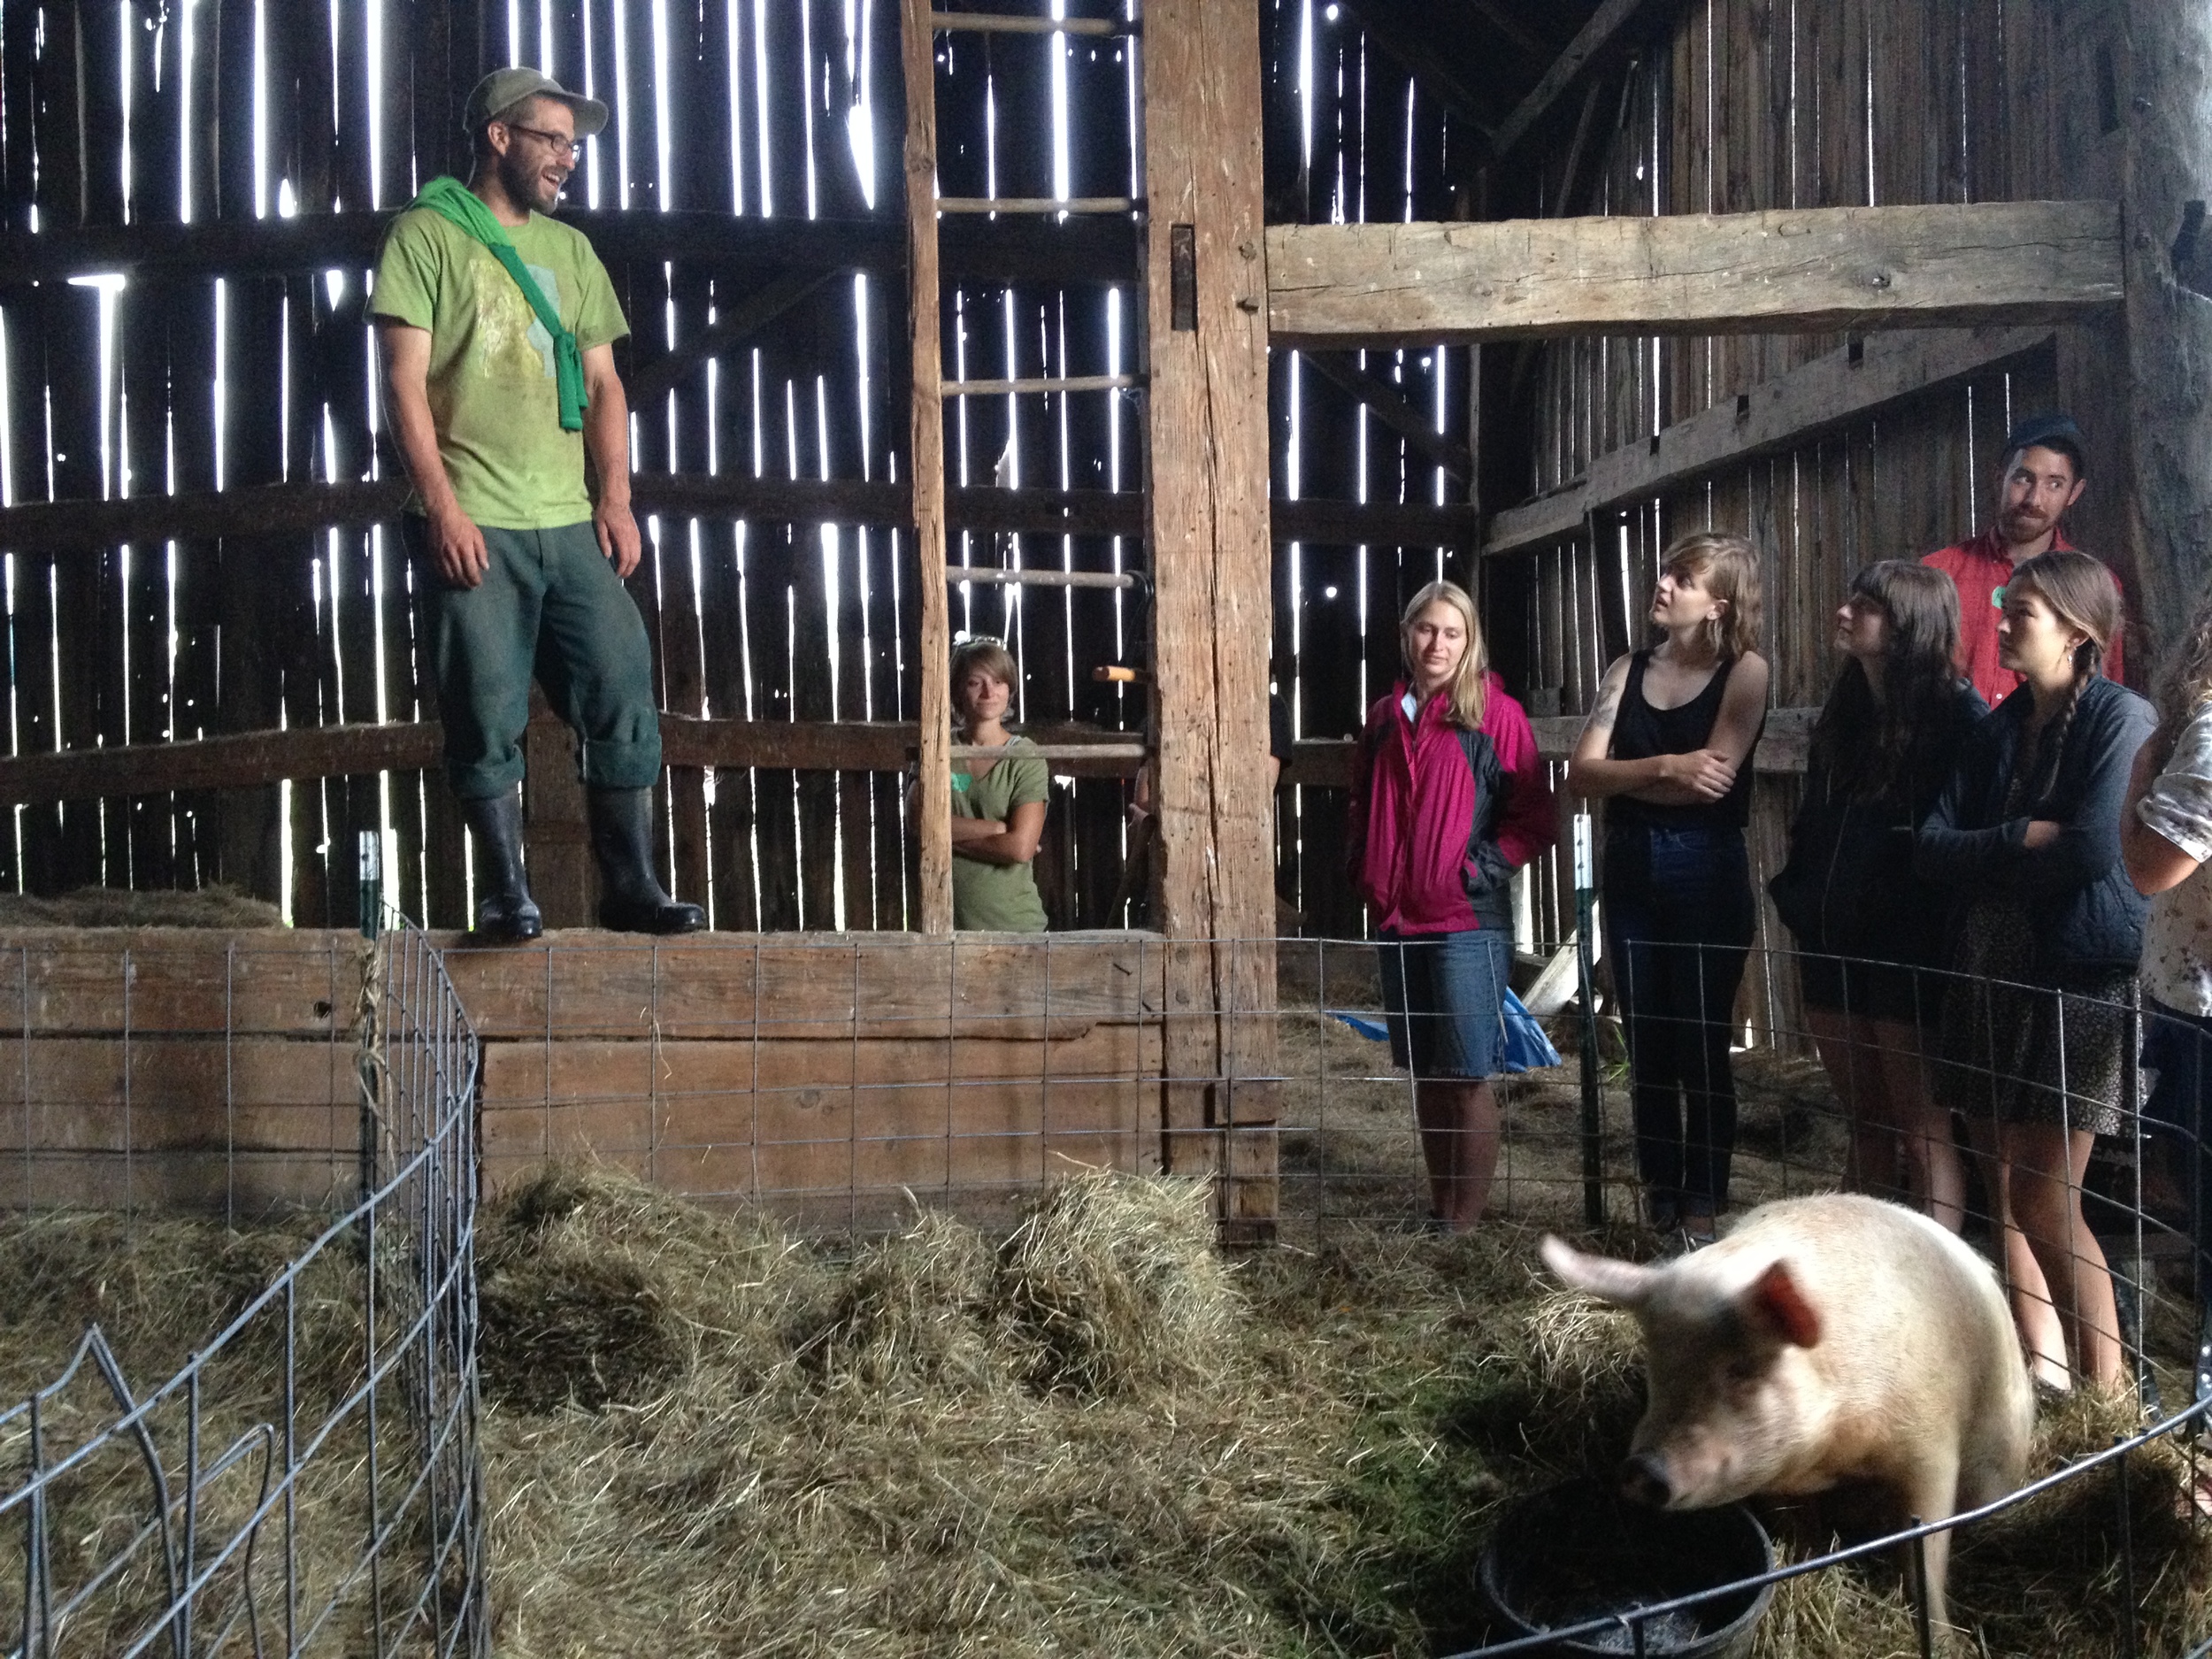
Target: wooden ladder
(1201, 383)
(919, 27)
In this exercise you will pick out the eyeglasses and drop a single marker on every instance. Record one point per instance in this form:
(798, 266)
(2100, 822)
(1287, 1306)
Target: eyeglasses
(564, 148)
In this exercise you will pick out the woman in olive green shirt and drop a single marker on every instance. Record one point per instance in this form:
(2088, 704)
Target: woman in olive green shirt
(998, 806)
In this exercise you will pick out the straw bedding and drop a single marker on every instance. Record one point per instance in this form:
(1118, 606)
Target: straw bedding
(1093, 1435)
(217, 905)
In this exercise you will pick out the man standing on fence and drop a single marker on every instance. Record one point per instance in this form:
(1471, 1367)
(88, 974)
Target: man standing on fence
(498, 327)
(2041, 475)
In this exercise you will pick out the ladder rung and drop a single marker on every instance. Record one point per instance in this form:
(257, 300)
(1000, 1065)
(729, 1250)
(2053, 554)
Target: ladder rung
(989, 23)
(1037, 204)
(1055, 751)
(1064, 383)
(960, 575)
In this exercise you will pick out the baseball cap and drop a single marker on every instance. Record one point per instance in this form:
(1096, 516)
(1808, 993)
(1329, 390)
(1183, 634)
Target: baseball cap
(2051, 430)
(501, 89)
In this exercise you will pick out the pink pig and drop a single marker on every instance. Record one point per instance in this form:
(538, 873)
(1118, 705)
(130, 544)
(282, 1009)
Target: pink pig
(1825, 1340)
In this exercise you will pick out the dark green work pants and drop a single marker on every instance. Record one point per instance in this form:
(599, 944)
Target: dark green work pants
(550, 604)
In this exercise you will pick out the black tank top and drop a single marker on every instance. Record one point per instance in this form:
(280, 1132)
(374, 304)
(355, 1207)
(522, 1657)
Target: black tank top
(1640, 731)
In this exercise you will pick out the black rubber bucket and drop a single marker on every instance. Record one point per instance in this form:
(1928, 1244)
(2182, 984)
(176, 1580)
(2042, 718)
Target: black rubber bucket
(1579, 1552)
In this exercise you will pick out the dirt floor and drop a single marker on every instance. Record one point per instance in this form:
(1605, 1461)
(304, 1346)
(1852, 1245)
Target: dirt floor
(1349, 1153)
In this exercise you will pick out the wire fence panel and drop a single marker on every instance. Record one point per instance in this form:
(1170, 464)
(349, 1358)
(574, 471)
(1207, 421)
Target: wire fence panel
(307, 1482)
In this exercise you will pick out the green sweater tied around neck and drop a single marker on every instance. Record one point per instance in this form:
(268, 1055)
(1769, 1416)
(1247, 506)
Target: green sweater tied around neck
(450, 199)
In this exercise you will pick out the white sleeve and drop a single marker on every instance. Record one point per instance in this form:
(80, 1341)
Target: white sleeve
(2178, 804)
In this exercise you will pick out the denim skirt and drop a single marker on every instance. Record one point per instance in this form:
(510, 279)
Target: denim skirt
(1444, 999)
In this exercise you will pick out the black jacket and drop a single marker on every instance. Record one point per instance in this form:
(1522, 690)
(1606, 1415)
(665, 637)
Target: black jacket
(1849, 888)
(2085, 910)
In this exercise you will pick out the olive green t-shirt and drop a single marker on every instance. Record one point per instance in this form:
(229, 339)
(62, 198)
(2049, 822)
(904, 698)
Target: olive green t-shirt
(998, 898)
(492, 395)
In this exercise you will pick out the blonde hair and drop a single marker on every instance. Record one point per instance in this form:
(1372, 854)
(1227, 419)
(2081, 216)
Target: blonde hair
(1727, 565)
(1469, 693)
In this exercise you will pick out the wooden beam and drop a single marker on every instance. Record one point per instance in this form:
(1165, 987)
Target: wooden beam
(281, 509)
(1792, 409)
(1411, 40)
(1389, 405)
(1212, 623)
(255, 759)
(751, 314)
(2166, 87)
(1824, 269)
(1018, 249)
(1380, 523)
(926, 454)
(1499, 17)
(247, 760)
(1326, 763)
(1605, 27)
(1781, 751)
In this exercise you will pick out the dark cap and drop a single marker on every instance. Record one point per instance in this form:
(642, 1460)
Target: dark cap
(2050, 430)
(503, 89)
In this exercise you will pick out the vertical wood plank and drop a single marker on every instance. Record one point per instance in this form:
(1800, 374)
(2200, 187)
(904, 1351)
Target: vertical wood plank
(926, 452)
(1210, 546)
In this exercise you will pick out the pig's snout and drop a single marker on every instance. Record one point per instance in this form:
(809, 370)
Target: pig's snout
(1644, 1480)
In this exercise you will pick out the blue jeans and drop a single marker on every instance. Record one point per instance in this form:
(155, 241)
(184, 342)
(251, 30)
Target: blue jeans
(1444, 999)
(1678, 926)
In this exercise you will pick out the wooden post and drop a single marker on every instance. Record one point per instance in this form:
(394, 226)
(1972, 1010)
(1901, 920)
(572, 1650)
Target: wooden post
(2091, 143)
(2163, 96)
(926, 463)
(557, 834)
(1206, 281)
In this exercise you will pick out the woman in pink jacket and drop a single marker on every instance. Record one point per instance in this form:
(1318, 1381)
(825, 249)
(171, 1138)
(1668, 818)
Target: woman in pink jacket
(1449, 798)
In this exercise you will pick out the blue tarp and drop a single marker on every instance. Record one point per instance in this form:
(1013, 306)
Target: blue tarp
(1526, 1048)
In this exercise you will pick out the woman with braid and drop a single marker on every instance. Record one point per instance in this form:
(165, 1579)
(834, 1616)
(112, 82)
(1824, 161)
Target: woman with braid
(2046, 929)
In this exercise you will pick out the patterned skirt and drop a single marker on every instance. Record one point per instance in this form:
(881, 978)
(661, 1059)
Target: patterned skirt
(2027, 1054)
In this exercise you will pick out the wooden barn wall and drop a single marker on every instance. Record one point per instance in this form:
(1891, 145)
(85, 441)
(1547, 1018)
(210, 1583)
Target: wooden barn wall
(829, 1080)
(141, 114)
(1773, 103)
(1351, 138)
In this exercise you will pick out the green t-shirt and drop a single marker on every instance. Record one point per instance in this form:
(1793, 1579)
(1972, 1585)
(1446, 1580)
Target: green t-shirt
(998, 898)
(493, 395)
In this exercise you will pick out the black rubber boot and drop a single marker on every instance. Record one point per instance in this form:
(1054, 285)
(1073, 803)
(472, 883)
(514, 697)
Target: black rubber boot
(632, 900)
(505, 912)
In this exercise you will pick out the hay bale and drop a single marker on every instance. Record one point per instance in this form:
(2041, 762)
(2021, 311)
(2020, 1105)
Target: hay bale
(219, 905)
(1112, 1283)
(1838, 1615)
(917, 1307)
(1587, 1355)
(595, 1287)
(2046, 1575)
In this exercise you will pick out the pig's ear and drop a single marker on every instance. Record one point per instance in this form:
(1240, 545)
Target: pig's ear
(1776, 1302)
(1624, 1284)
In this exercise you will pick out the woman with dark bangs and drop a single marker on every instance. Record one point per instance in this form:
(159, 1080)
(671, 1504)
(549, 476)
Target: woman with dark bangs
(1868, 928)
(2047, 931)
(1668, 746)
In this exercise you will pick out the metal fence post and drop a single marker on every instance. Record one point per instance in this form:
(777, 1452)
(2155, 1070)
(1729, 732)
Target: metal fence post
(1585, 958)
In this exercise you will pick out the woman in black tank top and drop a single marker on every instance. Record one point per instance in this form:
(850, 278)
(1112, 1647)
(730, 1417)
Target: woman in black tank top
(1668, 746)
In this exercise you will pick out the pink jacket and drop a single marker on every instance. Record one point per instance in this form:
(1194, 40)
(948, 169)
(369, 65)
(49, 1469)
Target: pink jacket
(1441, 818)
